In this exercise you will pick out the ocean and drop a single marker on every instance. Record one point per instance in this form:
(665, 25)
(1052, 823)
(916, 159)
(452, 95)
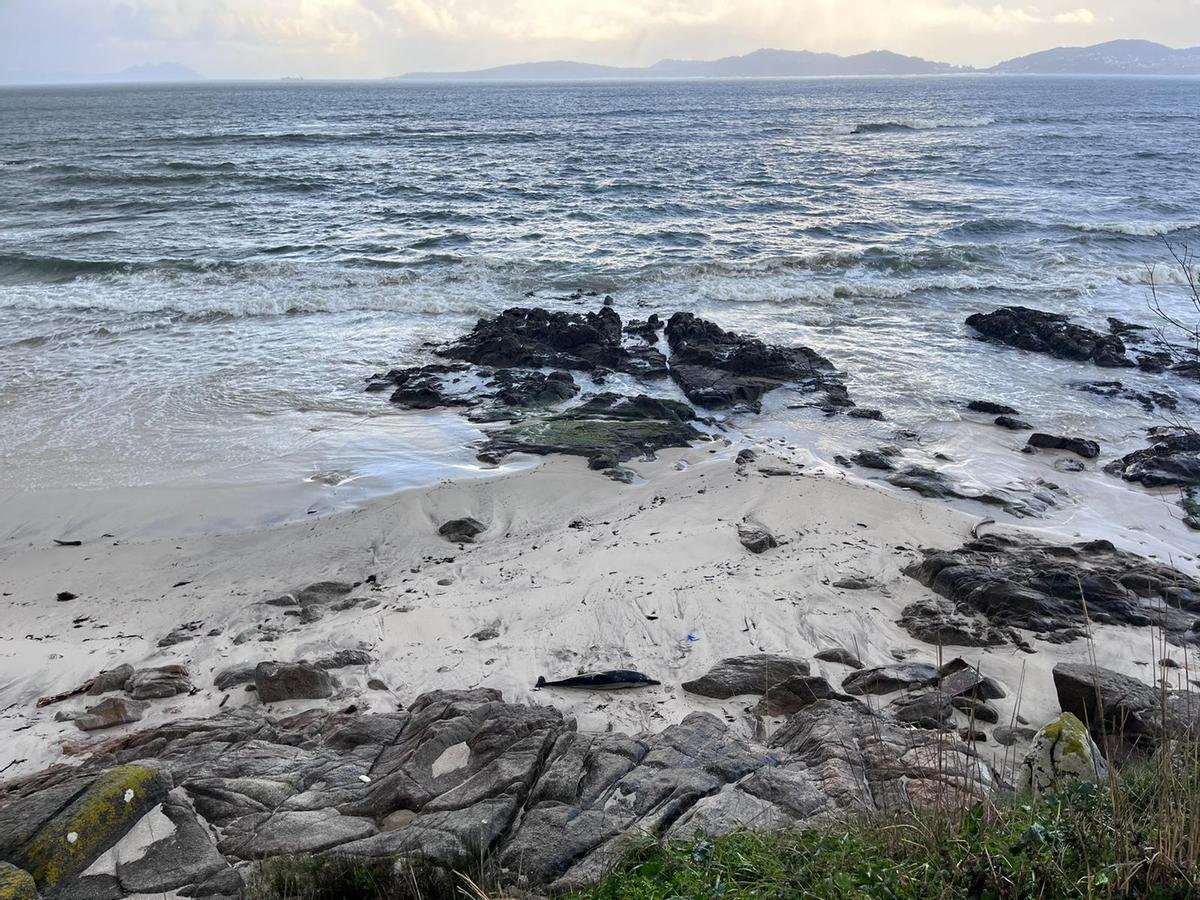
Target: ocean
(195, 281)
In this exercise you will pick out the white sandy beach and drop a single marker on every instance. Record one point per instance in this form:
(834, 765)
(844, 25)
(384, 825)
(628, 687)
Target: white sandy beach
(575, 573)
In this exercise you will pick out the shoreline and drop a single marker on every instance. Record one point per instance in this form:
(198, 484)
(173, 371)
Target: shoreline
(574, 573)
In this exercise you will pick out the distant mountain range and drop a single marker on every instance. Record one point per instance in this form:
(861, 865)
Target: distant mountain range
(1112, 58)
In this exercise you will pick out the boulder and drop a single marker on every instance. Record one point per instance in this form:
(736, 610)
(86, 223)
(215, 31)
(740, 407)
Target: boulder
(111, 680)
(110, 713)
(1013, 424)
(924, 709)
(159, 683)
(16, 884)
(875, 459)
(887, 679)
(1062, 752)
(960, 679)
(232, 676)
(1079, 446)
(756, 674)
(720, 369)
(756, 538)
(796, 693)
(1050, 333)
(462, 531)
(277, 682)
(987, 407)
(840, 656)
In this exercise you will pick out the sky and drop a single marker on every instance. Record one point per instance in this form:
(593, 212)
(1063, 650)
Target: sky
(47, 39)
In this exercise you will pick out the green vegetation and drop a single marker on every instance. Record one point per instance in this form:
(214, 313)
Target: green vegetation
(1138, 836)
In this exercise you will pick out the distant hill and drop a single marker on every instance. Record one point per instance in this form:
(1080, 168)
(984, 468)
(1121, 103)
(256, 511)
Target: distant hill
(1112, 58)
(760, 63)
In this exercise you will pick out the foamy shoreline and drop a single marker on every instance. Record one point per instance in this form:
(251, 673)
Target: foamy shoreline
(574, 573)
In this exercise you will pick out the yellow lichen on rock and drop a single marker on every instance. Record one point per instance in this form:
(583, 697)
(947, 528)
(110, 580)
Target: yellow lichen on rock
(1062, 752)
(16, 884)
(95, 822)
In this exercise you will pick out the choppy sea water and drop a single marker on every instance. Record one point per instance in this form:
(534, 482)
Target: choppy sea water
(195, 281)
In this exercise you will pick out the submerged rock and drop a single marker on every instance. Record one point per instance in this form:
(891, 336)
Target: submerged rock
(1044, 588)
(1148, 400)
(1050, 333)
(1013, 424)
(721, 369)
(618, 427)
(992, 409)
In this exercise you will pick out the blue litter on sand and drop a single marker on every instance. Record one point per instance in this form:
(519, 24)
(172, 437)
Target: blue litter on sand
(693, 637)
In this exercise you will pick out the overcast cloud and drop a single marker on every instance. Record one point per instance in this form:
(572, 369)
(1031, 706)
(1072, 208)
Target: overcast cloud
(372, 38)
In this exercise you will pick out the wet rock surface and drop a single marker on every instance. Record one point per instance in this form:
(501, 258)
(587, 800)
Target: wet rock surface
(458, 774)
(1016, 583)
(538, 338)
(720, 369)
(1171, 460)
(1050, 333)
(1079, 446)
(620, 428)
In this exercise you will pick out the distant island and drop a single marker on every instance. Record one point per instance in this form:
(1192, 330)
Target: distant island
(1111, 58)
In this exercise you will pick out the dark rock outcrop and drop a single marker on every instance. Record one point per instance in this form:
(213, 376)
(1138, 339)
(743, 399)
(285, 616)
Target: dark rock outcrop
(992, 409)
(756, 538)
(1113, 705)
(1050, 333)
(721, 369)
(462, 531)
(756, 674)
(1013, 424)
(887, 679)
(458, 775)
(941, 623)
(1044, 588)
(1172, 460)
(538, 338)
(1079, 446)
(276, 681)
